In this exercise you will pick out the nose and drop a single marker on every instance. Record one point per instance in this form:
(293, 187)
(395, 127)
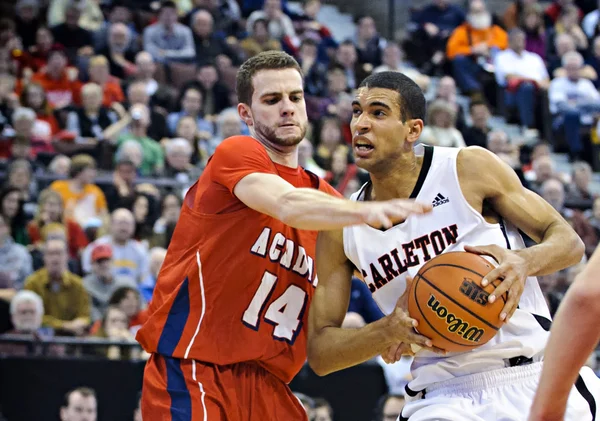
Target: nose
(287, 107)
(362, 124)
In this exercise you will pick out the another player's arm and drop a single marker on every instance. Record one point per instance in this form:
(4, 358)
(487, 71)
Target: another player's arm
(311, 209)
(330, 347)
(558, 246)
(575, 324)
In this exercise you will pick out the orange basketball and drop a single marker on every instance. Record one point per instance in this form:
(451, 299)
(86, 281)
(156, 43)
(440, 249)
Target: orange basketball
(451, 306)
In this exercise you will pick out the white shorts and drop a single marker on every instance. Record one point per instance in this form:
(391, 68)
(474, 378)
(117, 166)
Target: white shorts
(499, 395)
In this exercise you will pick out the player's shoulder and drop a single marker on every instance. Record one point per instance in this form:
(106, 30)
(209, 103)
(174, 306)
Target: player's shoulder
(475, 157)
(240, 144)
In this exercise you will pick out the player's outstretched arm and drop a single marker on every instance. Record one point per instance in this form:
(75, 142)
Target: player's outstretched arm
(311, 209)
(574, 335)
(330, 347)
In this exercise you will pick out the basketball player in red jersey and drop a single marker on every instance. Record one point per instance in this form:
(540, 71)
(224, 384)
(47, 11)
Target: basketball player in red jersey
(574, 336)
(227, 319)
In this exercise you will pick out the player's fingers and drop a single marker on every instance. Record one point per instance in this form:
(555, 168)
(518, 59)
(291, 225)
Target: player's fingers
(438, 350)
(415, 338)
(497, 273)
(501, 289)
(410, 206)
(511, 303)
(491, 250)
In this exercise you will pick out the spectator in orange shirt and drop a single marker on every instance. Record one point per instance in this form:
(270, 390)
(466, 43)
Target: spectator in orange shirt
(472, 45)
(83, 200)
(34, 97)
(61, 84)
(100, 74)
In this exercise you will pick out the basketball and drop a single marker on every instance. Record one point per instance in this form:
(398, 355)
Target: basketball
(451, 306)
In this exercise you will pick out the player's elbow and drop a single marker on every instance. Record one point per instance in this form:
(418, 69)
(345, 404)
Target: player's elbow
(578, 250)
(288, 210)
(585, 294)
(315, 358)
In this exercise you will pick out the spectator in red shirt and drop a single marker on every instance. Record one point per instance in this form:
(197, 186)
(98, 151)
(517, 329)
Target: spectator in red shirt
(35, 57)
(34, 97)
(100, 74)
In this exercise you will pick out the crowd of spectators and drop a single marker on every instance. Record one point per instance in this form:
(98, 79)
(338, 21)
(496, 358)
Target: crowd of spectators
(110, 110)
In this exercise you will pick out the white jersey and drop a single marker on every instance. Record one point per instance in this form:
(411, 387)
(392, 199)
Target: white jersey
(385, 257)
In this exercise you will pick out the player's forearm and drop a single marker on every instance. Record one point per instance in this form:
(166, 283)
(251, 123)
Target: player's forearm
(312, 209)
(576, 325)
(334, 348)
(560, 248)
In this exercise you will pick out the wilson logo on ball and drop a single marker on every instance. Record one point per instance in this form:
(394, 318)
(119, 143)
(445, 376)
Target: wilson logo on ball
(474, 292)
(455, 324)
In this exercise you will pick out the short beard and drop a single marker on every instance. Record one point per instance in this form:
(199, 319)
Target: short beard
(266, 133)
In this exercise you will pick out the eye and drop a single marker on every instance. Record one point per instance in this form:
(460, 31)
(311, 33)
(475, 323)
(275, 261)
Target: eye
(272, 101)
(379, 113)
(356, 111)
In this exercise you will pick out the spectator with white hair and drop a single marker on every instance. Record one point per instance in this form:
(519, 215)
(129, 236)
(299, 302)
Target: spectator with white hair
(573, 102)
(129, 257)
(228, 124)
(24, 123)
(60, 166)
(119, 51)
(441, 126)
(130, 151)
(446, 90)
(141, 91)
(178, 165)
(543, 169)
(578, 190)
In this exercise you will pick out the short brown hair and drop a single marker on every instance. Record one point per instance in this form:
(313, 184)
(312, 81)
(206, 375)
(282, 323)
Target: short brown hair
(83, 391)
(81, 162)
(267, 60)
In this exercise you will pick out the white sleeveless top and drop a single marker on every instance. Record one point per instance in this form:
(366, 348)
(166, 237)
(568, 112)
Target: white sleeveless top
(384, 257)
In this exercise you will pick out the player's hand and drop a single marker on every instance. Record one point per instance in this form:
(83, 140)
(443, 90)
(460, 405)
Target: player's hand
(511, 271)
(401, 330)
(386, 214)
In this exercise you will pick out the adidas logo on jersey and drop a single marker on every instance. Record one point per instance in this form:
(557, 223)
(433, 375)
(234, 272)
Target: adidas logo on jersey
(439, 200)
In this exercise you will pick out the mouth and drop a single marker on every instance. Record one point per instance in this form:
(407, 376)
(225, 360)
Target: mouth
(288, 125)
(363, 147)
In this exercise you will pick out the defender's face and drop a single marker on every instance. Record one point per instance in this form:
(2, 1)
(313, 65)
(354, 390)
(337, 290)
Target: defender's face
(278, 110)
(378, 133)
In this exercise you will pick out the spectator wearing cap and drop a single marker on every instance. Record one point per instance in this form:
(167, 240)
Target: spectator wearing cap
(61, 86)
(15, 263)
(167, 40)
(101, 283)
(66, 303)
(100, 74)
(129, 257)
(82, 199)
(77, 40)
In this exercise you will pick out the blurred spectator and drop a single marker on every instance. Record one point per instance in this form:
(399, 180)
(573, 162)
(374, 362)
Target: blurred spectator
(166, 40)
(144, 214)
(346, 56)
(134, 126)
(595, 217)
(100, 74)
(31, 132)
(323, 410)
(521, 74)
(315, 72)
(590, 23)
(146, 287)
(209, 45)
(33, 96)
(122, 192)
(593, 60)
(533, 25)
(476, 134)
(131, 151)
(11, 209)
(119, 51)
(543, 169)
(392, 61)
(27, 21)
(165, 224)
(308, 403)
(306, 160)
(82, 199)
(578, 191)
(279, 24)
(15, 263)
(553, 191)
(342, 170)
(129, 301)
(129, 257)
(228, 124)
(390, 407)
(514, 13)
(115, 327)
(472, 47)
(9, 41)
(429, 32)
(329, 138)
(77, 40)
(35, 57)
(137, 414)
(191, 104)
(499, 143)
(573, 102)
(90, 15)
(101, 283)
(178, 165)
(79, 405)
(563, 43)
(138, 93)
(369, 45)
(61, 84)
(20, 175)
(66, 303)
(87, 123)
(215, 94)
(51, 210)
(568, 23)
(440, 129)
(555, 9)
(60, 166)
(259, 40)
(446, 90)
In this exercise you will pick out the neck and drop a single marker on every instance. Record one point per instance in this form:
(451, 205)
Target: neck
(139, 131)
(119, 242)
(55, 277)
(55, 73)
(91, 111)
(398, 180)
(77, 184)
(283, 155)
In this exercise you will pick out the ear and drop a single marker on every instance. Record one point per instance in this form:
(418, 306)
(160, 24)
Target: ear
(414, 130)
(245, 114)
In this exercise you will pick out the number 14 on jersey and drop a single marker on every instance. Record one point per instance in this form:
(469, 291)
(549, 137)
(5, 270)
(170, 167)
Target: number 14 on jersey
(284, 313)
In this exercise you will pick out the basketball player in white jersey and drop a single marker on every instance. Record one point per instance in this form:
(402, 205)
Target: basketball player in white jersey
(479, 205)
(575, 333)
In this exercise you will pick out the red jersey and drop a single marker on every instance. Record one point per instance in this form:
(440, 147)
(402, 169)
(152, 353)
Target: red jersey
(236, 284)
